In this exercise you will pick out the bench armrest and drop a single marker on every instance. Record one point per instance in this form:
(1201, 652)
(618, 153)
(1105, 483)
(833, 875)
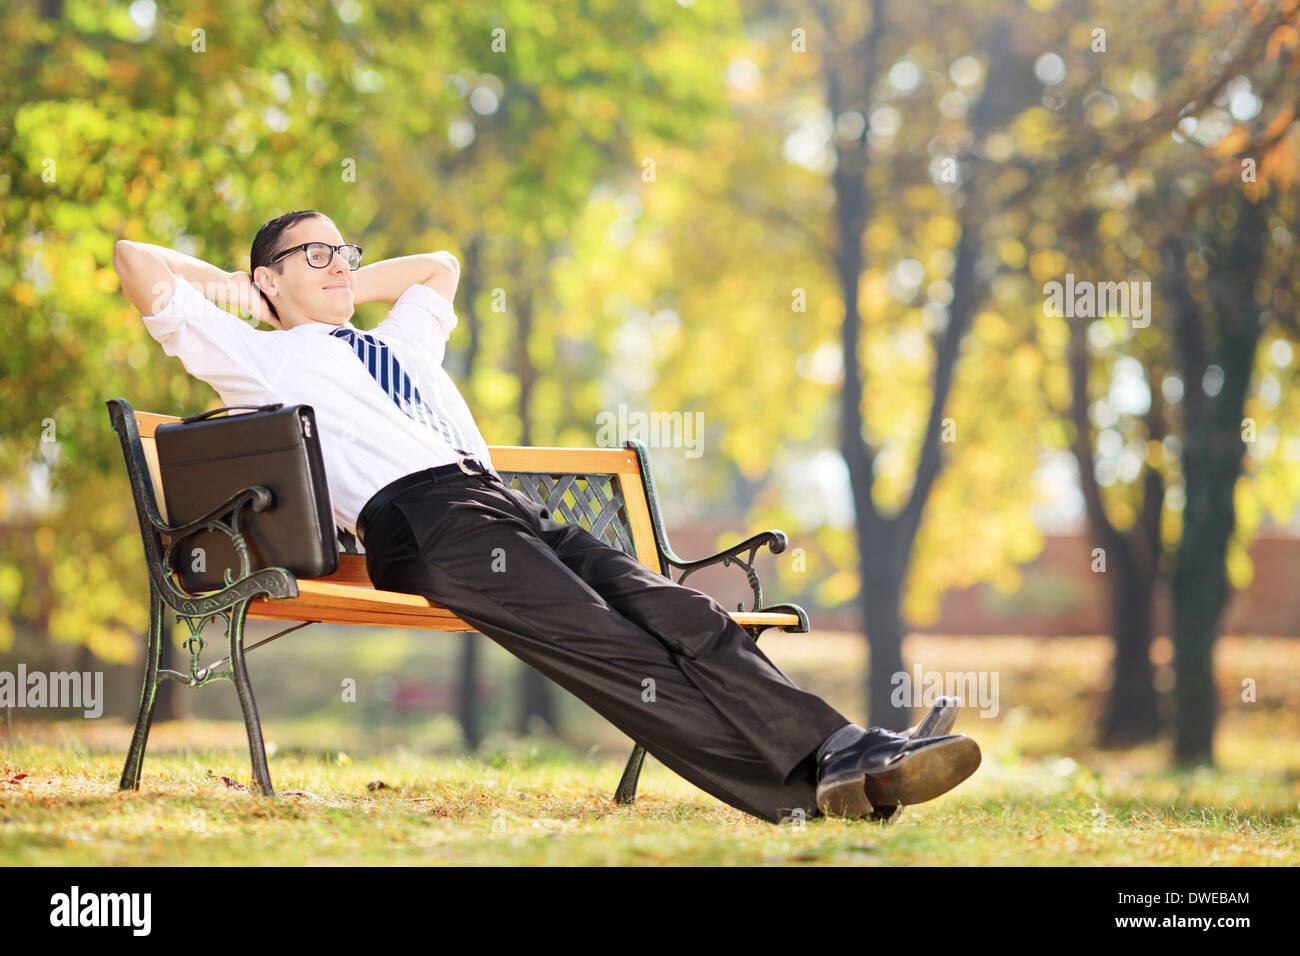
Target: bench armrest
(258, 496)
(775, 541)
(274, 582)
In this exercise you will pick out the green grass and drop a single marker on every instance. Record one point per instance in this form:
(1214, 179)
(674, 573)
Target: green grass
(540, 804)
(1043, 796)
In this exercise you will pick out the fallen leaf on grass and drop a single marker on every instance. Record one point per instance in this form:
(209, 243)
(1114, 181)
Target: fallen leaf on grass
(232, 784)
(15, 778)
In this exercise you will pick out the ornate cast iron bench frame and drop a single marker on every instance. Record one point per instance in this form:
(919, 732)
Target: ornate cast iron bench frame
(609, 491)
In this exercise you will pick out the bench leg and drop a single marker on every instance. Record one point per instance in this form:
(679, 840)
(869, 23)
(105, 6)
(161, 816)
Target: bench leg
(239, 673)
(148, 694)
(626, 792)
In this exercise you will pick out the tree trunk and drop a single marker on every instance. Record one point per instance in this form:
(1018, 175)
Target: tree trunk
(1131, 714)
(1198, 587)
(467, 683)
(1200, 580)
(884, 567)
(1225, 333)
(537, 710)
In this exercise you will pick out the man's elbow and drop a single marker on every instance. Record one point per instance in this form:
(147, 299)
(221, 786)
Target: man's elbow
(126, 266)
(129, 261)
(142, 276)
(446, 274)
(447, 261)
(121, 256)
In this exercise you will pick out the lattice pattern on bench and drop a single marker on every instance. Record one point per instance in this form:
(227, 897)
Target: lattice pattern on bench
(593, 501)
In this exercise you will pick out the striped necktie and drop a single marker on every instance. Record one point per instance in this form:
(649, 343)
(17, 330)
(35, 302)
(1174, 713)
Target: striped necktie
(380, 361)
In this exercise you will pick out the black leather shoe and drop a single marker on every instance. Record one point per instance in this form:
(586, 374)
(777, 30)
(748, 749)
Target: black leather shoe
(884, 769)
(938, 722)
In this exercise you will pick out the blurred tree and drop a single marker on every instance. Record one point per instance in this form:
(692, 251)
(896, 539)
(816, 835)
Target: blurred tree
(1143, 207)
(918, 238)
(936, 285)
(1218, 322)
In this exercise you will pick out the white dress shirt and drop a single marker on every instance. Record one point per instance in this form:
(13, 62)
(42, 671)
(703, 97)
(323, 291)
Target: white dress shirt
(366, 441)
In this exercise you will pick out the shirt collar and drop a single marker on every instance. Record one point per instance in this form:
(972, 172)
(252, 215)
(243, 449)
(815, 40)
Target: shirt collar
(321, 328)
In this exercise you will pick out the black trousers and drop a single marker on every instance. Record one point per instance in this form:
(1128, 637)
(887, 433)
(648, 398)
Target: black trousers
(662, 662)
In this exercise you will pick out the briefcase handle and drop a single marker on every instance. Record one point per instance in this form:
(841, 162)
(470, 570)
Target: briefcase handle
(217, 411)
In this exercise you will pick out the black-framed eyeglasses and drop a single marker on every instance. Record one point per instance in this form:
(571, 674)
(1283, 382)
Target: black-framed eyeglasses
(321, 254)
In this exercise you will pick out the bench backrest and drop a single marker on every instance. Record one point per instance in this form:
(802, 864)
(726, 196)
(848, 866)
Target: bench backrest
(602, 489)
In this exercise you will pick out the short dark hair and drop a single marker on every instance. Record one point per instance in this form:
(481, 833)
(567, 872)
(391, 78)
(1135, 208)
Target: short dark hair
(266, 243)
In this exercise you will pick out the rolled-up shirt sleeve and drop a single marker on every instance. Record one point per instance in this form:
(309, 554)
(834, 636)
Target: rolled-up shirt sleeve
(424, 317)
(213, 345)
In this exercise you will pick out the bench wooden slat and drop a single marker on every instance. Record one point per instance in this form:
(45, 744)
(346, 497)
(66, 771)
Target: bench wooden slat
(439, 620)
(565, 461)
(429, 617)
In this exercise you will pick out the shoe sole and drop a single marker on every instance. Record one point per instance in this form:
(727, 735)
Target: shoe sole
(922, 775)
(937, 723)
(925, 773)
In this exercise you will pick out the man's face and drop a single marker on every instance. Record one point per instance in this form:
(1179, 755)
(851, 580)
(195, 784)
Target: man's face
(301, 293)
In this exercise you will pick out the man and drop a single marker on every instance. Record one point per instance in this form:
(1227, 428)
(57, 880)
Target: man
(409, 471)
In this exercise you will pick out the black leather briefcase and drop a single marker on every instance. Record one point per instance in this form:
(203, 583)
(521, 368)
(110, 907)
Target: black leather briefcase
(204, 460)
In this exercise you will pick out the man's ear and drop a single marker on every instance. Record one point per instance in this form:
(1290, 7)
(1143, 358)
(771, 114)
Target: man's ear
(264, 279)
(271, 317)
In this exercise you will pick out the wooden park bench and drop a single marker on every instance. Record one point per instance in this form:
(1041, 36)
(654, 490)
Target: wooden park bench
(609, 491)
